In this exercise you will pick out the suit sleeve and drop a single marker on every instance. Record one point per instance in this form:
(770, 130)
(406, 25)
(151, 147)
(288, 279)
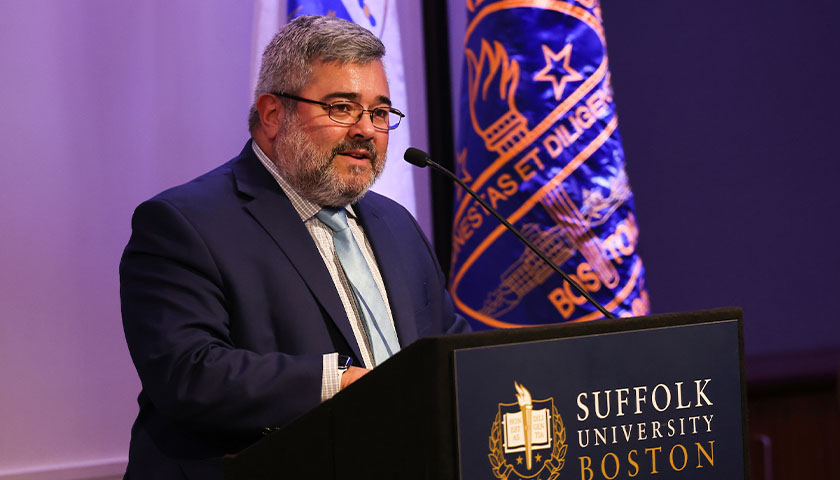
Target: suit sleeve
(178, 329)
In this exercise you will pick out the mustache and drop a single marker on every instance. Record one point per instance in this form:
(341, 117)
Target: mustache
(356, 145)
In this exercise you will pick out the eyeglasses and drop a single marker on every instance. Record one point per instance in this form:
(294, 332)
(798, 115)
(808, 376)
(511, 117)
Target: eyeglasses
(346, 112)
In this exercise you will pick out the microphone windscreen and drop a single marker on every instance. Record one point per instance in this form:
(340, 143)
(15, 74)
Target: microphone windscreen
(416, 157)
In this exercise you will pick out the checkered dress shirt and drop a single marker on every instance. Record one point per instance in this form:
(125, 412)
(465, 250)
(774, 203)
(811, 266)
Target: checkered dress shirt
(323, 237)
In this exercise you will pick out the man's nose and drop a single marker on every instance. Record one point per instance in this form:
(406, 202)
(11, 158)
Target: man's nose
(363, 128)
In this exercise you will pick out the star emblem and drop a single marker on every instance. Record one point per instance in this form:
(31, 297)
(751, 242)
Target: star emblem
(519, 460)
(558, 69)
(538, 457)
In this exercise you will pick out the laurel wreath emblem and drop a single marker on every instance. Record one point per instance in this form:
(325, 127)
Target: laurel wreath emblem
(502, 469)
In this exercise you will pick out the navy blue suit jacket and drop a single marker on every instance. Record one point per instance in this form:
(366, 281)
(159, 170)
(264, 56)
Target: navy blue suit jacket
(228, 308)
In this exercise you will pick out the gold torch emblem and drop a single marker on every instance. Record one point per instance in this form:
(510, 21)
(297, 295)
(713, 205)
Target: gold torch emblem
(523, 396)
(528, 439)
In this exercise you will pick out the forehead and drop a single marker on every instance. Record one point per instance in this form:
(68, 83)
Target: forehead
(367, 81)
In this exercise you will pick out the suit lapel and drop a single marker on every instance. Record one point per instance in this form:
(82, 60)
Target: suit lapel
(386, 249)
(271, 208)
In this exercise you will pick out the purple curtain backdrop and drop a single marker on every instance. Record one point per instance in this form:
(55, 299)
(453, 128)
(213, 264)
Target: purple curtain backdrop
(103, 104)
(729, 122)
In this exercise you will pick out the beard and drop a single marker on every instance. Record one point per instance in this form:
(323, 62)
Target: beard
(311, 170)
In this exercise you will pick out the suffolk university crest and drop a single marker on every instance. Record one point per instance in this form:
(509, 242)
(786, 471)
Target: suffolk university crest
(538, 139)
(527, 439)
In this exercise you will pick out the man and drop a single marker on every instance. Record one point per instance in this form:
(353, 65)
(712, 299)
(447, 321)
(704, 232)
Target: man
(243, 300)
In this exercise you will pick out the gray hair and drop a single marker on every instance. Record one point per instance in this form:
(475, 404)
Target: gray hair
(288, 58)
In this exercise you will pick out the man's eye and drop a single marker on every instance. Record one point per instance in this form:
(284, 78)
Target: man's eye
(381, 113)
(342, 108)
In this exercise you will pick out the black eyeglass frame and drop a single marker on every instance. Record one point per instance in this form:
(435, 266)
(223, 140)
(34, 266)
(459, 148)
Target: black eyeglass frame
(329, 106)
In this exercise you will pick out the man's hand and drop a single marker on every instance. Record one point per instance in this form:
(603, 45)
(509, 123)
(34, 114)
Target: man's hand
(351, 375)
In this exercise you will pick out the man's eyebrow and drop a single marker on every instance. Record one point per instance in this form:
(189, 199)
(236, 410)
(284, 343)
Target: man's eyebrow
(355, 97)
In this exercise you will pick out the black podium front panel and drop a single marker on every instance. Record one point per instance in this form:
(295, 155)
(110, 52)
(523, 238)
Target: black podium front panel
(651, 403)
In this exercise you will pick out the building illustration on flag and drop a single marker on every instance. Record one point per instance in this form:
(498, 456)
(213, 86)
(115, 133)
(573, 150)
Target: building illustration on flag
(538, 139)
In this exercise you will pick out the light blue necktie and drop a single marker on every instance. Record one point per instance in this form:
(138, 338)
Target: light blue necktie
(380, 331)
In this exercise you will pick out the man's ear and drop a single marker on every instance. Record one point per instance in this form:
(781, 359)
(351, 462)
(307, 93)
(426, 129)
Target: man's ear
(271, 112)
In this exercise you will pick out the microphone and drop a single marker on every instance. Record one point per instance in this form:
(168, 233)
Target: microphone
(421, 159)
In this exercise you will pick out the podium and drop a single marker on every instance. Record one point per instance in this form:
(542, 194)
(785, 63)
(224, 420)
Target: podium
(609, 399)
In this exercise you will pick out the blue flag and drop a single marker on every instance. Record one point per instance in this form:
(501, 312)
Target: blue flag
(322, 7)
(538, 139)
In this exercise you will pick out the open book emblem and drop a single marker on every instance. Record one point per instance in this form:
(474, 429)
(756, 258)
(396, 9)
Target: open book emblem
(528, 439)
